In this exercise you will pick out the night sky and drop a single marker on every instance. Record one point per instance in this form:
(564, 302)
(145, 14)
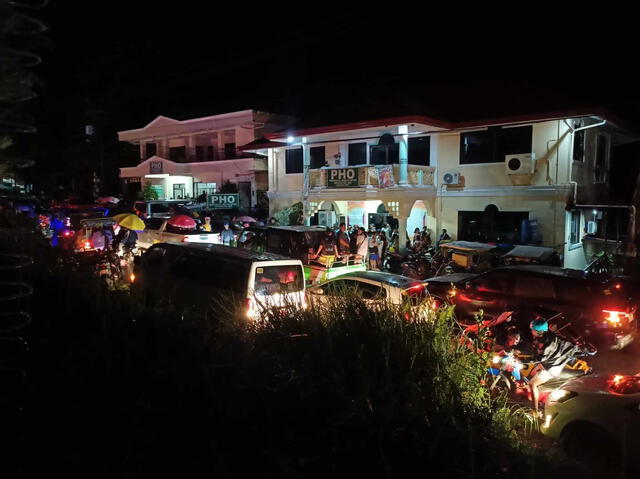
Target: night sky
(118, 65)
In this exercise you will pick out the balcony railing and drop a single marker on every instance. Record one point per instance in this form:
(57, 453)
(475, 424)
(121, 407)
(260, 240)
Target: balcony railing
(368, 176)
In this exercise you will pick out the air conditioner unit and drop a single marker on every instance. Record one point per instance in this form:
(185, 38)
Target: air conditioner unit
(592, 227)
(521, 164)
(451, 178)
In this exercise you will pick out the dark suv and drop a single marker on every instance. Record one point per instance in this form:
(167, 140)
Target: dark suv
(600, 311)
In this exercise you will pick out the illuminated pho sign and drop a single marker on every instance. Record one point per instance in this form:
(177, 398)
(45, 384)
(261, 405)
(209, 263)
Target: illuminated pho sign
(342, 177)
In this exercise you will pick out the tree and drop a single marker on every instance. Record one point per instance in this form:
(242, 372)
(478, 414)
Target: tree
(149, 193)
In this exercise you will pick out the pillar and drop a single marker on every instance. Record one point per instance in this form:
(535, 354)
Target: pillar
(403, 144)
(143, 151)
(189, 148)
(306, 164)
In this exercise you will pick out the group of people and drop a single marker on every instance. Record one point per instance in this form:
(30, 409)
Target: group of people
(358, 244)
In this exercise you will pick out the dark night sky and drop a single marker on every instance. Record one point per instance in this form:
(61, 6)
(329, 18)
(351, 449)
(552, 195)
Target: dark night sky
(122, 64)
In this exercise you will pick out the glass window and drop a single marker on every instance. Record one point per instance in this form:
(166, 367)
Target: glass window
(357, 154)
(600, 167)
(494, 143)
(384, 154)
(578, 142)
(151, 150)
(534, 287)
(229, 150)
(278, 279)
(369, 291)
(293, 160)
(419, 149)
(492, 283)
(177, 153)
(317, 157)
(153, 223)
(574, 228)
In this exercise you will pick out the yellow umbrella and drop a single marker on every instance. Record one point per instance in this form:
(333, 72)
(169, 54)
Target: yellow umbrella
(132, 222)
(119, 217)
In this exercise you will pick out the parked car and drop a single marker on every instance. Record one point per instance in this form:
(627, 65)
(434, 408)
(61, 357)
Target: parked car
(374, 287)
(596, 414)
(157, 230)
(602, 313)
(166, 208)
(192, 275)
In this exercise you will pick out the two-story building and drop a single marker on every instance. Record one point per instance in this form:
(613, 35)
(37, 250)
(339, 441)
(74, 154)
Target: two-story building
(183, 159)
(531, 179)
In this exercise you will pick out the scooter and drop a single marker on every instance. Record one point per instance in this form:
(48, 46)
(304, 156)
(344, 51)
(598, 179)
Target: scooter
(392, 262)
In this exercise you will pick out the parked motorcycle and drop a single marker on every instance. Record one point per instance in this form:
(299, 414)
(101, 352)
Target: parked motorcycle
(420, 265)
(392, 262)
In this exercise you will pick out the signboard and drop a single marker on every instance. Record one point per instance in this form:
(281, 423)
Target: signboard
(223, 200)
(385, 176)
(155, 167)
(342, 177)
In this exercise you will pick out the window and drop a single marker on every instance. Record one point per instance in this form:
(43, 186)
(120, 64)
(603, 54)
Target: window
(278, 279)
(178, 153)
(229, 150)
(600, 167)
(317, 157)
(200, 152)
(384, 154)
(491, 226)
(370, 291)
(534, 287)
(574, 228)
(153, 223)
(179, 191)
(493, 144)
(150, 150)
(578, 142)
(357, 154)
(293, 160)
(419, 150)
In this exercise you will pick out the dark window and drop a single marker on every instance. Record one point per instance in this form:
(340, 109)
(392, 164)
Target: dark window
(151, 150)
(574, 228)
(492, 283)
(229, 150)
(490, 226)
(317, 157)
(578, 143)
(419, 150)
(357, 154)
(293, 160)
(200, 152)
(370, 291)
(534, 287)
(210, 156)
(384, 154)
(153, 223)
(178, 154)
(600, 167)
(493, 144)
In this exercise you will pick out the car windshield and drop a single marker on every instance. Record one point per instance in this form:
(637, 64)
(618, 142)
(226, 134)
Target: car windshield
(278, 279)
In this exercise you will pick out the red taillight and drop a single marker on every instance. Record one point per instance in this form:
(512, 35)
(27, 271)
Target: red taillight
(614, 317)
(618, 286)
(87, 244)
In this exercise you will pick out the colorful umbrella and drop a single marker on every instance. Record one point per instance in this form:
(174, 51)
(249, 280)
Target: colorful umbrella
(119, 217)
(182, 221)
(244, 219)
(132, 222)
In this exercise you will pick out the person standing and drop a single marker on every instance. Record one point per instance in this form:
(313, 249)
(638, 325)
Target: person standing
(207, 224)
(342, 242)
(327, 248)
(362, 245)
(374, 255)
(226, 235)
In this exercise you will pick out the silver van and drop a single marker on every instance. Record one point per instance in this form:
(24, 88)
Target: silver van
(192, 274)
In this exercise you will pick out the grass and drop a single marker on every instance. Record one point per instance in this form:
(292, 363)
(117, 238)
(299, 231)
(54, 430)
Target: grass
(124, 391)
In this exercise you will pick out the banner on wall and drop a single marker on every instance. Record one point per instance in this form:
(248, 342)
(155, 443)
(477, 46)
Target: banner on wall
(385, 176)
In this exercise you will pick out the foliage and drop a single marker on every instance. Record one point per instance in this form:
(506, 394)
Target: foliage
(290, 215)
(342, 389)
(148, 193)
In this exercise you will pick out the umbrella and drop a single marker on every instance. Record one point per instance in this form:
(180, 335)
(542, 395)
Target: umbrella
(119, 217)
(132, 222)
(182, 221)
(244, 219)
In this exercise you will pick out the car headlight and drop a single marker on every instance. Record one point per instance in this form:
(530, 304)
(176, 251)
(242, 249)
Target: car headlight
(561, 395)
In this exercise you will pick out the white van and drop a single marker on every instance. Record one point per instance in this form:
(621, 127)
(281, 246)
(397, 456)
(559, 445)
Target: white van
(192, 274)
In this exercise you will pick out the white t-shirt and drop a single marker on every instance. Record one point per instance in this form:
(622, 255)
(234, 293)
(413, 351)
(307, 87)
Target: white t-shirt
(362, 244)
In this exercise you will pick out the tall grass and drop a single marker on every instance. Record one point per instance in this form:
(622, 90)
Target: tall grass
(342, 389)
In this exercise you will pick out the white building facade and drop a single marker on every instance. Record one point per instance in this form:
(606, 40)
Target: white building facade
(514, 180)
(184, 159)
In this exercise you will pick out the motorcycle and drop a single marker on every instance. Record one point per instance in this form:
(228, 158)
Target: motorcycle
(418, 265)
(392, 262)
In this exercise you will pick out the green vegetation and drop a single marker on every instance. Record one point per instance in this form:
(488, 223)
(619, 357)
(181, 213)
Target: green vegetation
(342, 390)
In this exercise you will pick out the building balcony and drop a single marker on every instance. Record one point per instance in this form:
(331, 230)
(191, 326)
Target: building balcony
(367, 176)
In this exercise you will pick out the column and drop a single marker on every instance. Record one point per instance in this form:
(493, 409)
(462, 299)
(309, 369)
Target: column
(306, 164)
(404, 153)
(143, 151)
(189, 148)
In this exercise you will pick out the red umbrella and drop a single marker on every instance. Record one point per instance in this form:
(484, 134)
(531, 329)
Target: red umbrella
(182, 221)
